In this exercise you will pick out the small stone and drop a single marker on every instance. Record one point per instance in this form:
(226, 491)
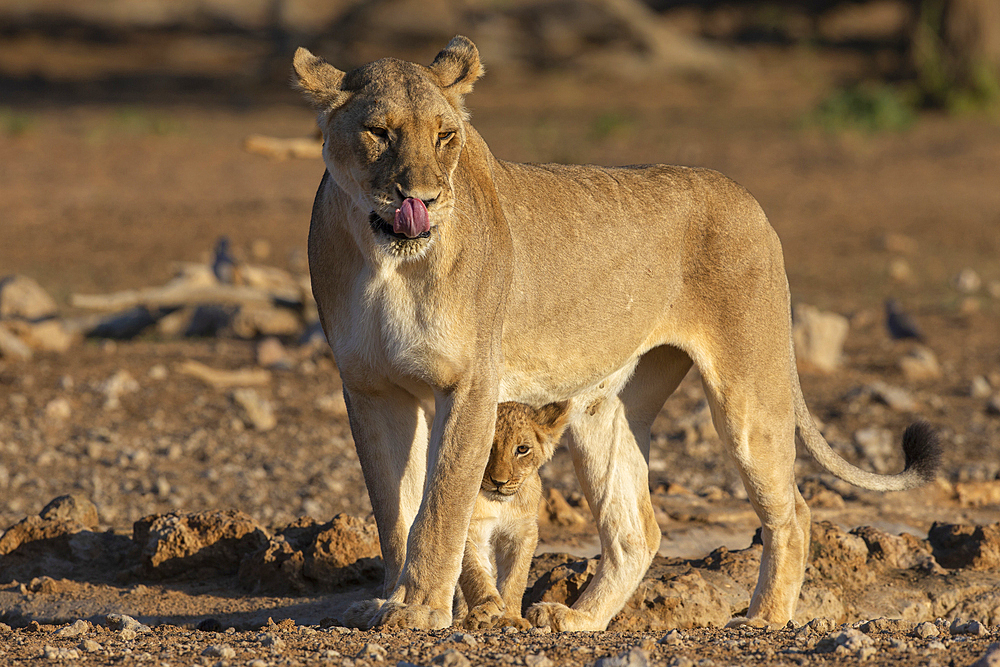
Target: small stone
(258, 411)
(895, 397)
(635, 657)
(122, 622)
(920, 364)
(900, 271)
(157, 372)
(935, 645)
(115, 387)
(258, 663)
(71, 507)
(875, 445)
(224, 651)
(821, 626)
(974, 628)
(851, 638)
(979, 387)
(993, 405)
(90, 646)
(681, 661)
(53, 653)
(12, 347)
(23, 298)
(866, 652)
(271, 639)
(79, 627)
(991, 658)
(925, 630)
(819, 336)
(451, 658)
(126, 634)
(464, 638)
(967, 281)
(372, 652)
(538, 660)
(272, 354)
(58, 410)
(672, 638)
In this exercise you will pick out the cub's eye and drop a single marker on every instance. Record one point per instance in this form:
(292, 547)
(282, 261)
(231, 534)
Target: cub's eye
(522, 450)
(379, 132)
(445, 137)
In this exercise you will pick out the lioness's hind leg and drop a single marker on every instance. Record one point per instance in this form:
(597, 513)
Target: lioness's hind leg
(760, 436)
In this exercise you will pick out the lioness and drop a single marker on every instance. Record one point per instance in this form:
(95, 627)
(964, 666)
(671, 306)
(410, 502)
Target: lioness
(503, 532)
(448, 281)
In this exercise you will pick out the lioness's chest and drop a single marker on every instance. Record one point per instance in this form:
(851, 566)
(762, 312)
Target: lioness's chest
(385, 327)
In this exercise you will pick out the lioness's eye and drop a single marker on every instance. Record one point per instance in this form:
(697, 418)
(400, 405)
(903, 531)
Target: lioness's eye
(445, 137)
(379, 132)
(522, 450)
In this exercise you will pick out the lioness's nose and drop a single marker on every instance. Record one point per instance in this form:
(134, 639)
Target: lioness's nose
(415, 193)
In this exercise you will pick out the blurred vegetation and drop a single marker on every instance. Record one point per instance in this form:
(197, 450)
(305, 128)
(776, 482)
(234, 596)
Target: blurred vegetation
(867, 107)
(14, 123)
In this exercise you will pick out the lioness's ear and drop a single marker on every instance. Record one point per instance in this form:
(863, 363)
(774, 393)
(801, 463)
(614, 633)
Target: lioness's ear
(457, 68)
(318, 79)
(551, 419)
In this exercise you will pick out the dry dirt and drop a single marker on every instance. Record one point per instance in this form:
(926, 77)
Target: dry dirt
(105, 198)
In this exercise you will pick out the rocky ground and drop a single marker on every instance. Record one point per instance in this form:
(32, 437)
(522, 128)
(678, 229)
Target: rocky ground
(217, 511)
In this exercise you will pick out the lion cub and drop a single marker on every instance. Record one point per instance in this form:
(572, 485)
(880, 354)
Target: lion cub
(503, 533)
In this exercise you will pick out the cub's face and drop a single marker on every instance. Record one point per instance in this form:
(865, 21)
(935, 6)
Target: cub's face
(393, 134)
(525, 439)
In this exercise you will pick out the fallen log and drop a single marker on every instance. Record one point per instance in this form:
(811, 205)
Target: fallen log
(185, 294)
(221, 379)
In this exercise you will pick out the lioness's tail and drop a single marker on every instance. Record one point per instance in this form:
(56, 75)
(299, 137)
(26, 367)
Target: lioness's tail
(921, 447)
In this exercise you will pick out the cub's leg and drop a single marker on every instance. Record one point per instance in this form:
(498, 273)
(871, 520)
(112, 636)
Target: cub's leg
(390, 434)
(610, 446)
(514, 551)
(757, 425)
(478, 583)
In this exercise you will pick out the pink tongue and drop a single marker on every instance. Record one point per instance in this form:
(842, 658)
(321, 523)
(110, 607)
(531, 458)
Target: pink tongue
(411, 218)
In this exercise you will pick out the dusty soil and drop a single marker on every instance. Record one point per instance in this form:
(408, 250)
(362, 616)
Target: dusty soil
(103, 198)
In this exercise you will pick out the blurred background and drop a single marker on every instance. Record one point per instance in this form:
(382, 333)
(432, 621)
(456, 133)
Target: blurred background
(156, 145)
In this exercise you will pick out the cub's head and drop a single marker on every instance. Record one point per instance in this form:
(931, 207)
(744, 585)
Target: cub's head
(525, 439)
(393, 132)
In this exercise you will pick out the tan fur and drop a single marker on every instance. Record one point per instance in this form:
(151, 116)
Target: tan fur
(536, 284)
(503, 532)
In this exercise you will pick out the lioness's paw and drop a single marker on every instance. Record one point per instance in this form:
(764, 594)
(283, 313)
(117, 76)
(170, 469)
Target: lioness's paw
(361, 614)
(484, 616)
(560, 618)
(738, 621)
(412, 616)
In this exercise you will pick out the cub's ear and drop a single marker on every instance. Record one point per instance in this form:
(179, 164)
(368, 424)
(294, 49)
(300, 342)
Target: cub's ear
(457, 68)
(551, 419)
(318, 80)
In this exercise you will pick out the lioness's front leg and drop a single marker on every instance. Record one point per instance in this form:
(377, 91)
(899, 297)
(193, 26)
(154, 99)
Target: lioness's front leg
(460, 444)
(390, 433)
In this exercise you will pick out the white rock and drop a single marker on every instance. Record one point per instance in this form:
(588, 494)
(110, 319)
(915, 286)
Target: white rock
(925, 630)
(979, 387)
(538, 660)
(895, 397)
(258, 411)
(12, 347)
(224, 651)
(819, 336)
(115, 387)
(920, 364)
(21, 297)
(58, 410)
(967, 281)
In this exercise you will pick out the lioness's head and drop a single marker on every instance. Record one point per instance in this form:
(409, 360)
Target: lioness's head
(393, 132)
(525, 438)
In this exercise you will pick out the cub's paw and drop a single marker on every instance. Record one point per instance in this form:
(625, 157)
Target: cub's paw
(412, 616)
(484, 616)
(361, 614)
(560, 618)
(512, 622)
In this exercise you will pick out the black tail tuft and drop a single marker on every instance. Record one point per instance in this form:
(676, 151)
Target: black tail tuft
(922, 448)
